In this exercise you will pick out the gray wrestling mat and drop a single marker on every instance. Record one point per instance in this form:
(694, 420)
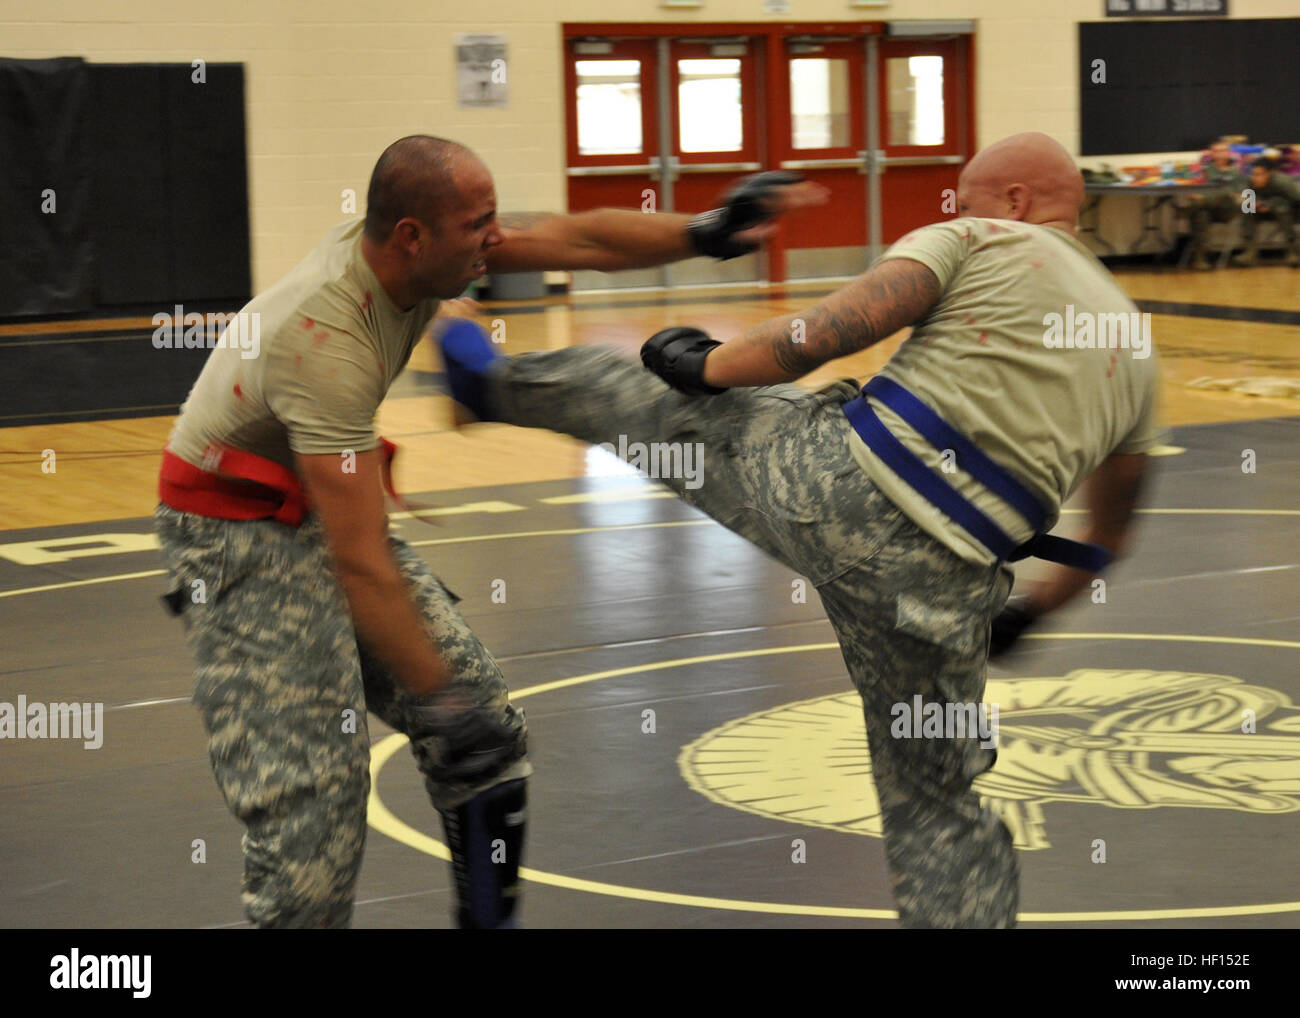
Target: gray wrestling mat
(698, 748)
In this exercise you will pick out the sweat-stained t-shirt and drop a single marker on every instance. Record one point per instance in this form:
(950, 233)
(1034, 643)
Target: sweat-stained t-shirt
(1034, 353)
(330, 343)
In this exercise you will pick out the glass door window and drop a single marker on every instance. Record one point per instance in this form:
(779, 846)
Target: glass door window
(820, 108)
(609, 107)
(916, 100)
(709, 105)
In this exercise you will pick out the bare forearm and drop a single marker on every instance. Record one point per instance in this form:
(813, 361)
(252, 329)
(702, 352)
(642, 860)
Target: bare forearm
(871, 308)
(390, 627)
(1059, 587)
(767, 354)
(1112, 495)
(608, 240)
(626, 239)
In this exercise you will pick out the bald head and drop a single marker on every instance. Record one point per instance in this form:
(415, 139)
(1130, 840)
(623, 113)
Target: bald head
(416, 177)
(1027, 177)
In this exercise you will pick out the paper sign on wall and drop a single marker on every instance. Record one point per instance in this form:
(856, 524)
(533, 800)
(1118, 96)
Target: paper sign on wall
(481, 78)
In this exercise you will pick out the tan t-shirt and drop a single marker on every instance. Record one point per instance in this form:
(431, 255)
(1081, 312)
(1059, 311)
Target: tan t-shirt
(1027, 355)
(329, 344)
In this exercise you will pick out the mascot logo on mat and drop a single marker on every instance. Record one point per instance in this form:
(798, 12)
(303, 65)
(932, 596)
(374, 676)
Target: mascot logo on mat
(1124, 739)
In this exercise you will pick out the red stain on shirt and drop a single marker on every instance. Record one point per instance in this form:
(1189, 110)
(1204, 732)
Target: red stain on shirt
(993, 228)
(1036, 265)
(983, 339)
(239, 393)
(318, 338)
(366, 303)
(307, 323)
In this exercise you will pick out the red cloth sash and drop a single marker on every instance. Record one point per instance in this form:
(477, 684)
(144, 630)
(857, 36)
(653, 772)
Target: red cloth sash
(237, 485)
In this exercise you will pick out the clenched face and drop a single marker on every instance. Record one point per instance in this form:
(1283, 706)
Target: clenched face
(454, 251)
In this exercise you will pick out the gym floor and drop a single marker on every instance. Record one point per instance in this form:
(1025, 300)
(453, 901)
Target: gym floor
(698, 750)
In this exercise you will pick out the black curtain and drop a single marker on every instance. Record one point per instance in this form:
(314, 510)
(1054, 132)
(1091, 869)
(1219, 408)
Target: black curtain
(46, 247)
(149, 172)
(171, 184)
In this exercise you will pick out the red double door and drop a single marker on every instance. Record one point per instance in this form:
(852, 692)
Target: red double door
(666, 121)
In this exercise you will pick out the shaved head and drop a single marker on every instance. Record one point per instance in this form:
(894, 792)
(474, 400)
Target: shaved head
(415, 177)
(1028, 177)
(431, 219)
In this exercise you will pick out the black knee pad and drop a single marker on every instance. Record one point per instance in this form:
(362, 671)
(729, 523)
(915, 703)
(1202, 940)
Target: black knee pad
(465, 747)
(486, 838)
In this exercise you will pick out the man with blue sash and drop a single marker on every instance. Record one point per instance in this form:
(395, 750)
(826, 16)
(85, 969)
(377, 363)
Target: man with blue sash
(1027, 372)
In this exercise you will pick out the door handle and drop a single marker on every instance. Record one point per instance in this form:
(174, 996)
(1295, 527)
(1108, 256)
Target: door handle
(844, 162)
(612, 171)
(718, 167)
(923, 160)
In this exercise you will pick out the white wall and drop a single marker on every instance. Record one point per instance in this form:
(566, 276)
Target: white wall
(329, 84)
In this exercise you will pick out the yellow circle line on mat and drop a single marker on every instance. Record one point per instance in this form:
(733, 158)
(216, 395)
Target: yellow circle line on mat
(383, 820)
(84, 583)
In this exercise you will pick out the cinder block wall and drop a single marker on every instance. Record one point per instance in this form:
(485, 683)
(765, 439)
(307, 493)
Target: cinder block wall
(328, 87)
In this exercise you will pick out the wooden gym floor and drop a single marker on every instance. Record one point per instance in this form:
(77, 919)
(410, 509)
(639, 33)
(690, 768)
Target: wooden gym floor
(1122, 721)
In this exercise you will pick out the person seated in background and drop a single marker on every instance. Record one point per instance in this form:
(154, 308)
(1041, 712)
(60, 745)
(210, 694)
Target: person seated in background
(1222, 206)
(1276, 197)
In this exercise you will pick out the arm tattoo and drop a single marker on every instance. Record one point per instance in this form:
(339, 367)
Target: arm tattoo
(896, 293)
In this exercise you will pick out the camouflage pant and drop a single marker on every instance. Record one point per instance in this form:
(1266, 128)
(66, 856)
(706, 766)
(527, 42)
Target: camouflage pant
(283, 688)
(911, 617)
(1277, 208)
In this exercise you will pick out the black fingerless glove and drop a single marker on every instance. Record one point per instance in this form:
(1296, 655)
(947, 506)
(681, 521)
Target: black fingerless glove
(713, 233)
(677, 356)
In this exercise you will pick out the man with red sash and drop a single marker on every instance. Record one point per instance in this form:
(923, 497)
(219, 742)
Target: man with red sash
(302, 611)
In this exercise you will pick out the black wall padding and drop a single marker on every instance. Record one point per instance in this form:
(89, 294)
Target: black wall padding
(89, 376)
(209, 173)
(132, 186)
(150, 173)
(46, 264)
(171, 178)
(1174, 86)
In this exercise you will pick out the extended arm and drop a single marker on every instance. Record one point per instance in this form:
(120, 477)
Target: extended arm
(604, 239)
(614, 239)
